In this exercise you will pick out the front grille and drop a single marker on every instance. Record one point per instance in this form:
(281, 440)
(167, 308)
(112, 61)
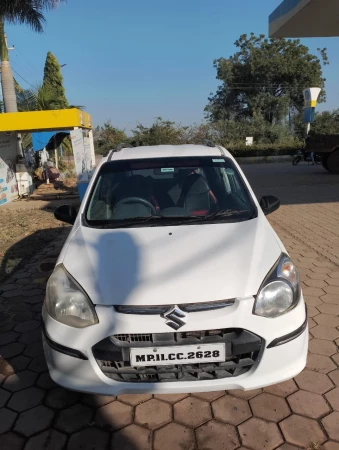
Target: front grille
(242, 352)
(162, 309)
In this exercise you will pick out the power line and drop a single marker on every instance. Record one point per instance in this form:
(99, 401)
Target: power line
(23, 78)
(29, 62)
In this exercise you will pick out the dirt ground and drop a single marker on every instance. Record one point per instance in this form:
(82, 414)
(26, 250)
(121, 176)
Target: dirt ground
(22, 234)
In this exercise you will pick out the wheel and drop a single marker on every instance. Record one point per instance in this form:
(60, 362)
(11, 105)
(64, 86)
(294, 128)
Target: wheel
(296, 160)
(333, 162)
(318, 159)
(324, 161)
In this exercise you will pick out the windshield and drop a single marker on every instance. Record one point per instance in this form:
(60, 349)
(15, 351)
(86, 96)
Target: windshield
(168, 191)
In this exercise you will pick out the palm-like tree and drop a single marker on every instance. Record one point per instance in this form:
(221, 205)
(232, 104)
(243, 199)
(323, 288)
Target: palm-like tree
(28, 12)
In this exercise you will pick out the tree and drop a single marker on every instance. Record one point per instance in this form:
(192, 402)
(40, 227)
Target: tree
(28, 12)
(53, 81)
(326, 122)
(107, 137)
(266, 78)
(162, 132)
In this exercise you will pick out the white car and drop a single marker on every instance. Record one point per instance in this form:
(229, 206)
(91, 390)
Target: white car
(172, 280)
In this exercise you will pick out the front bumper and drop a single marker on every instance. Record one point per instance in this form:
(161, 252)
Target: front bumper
(274, 365)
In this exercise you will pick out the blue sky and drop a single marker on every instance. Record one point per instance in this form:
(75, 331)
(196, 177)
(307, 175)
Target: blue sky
(132, 61)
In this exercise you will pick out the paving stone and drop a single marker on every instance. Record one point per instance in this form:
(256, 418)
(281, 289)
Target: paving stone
(334, 274)
(131, 438)
(11, 350)
(335, 358)
(258, 434)
(333, 398)
(282, 389)
(327, 320)
(288, 447)
(171, 398)
(334, 377)
(22, 317)
(114, 416)
(8, 337)
(7, 326)
(89, 439)
(61, 398)
(320, 363)
(34, 292)
(4, 396)
(313, 291)
(34, 350)
(38, 364)
(74, 418)
(20, 381)
(330, 298)
(332, 281)
(49, 440)
(316, 283)
(314, 382)
(36, 299)
(134, 399)
(308, 404)
(246, 395)
(330, 445)
(311, 324)
(45, 381)
(269, 407)
(329, 308)
(153, 413)
(19, 363)
(30, 337)
(209, 396)
(7, 418)
(327, 333)
(12, 293)
(9, 287)
(322, 347)
(34, 420)
(11, 441)
(213, 431)
(331, 425)
(302, 431)
(97, 400)
(26, 399)
(30, 325)
(331, 290)
(313, 301)
(174, 436)
(312, 311)
(230, 409)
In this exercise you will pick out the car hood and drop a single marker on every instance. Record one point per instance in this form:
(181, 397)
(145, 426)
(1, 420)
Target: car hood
(172, 265)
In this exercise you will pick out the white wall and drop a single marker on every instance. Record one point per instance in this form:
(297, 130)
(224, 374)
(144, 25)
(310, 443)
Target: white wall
(8, 153)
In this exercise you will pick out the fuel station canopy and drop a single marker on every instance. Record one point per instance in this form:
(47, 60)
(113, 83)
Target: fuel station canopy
(305, 18)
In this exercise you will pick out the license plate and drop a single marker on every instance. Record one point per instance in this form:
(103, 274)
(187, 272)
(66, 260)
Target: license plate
(187, 354)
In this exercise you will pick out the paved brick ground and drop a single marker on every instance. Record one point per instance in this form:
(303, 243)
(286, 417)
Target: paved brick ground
(302, 413)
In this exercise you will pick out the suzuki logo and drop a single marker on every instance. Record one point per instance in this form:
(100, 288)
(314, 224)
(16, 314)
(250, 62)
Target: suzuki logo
(174, 317)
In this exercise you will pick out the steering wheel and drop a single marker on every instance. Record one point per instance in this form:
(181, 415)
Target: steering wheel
(143, 201)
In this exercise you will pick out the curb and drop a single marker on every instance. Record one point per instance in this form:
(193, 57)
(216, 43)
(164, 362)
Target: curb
(264, 159)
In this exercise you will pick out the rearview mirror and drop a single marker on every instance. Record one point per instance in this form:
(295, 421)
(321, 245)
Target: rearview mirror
(66, 213)
(269, 204)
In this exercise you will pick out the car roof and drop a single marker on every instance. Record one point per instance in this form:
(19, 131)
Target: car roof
(167, 151)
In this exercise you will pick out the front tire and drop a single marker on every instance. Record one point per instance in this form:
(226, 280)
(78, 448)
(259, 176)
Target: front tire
(324, 161)
(333, 162)
(296, 160)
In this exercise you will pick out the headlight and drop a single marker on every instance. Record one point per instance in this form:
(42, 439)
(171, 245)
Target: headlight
(67, 303)
(280, 292)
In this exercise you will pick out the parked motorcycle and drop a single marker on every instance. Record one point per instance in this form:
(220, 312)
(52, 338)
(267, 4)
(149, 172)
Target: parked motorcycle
(304, 155)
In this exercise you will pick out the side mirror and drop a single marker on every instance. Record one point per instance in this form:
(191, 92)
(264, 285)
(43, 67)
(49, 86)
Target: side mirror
(66, 213)
(269, 204)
